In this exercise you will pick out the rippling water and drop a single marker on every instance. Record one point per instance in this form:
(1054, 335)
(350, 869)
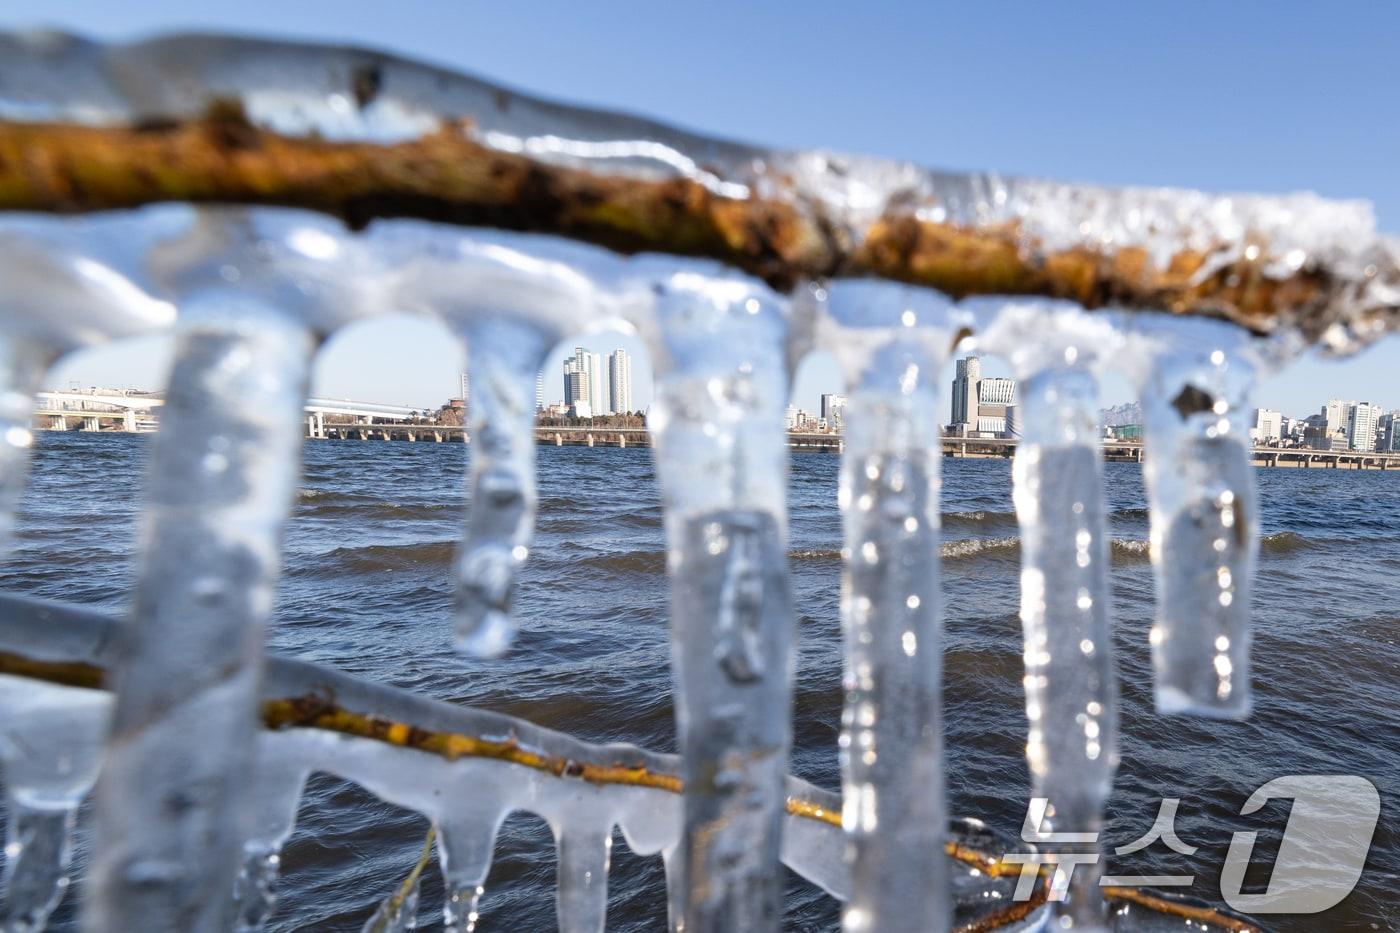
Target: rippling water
(368, 586)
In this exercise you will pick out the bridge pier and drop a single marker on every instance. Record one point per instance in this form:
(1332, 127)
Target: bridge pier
(90, 424)
(590, 440)
(622, 440)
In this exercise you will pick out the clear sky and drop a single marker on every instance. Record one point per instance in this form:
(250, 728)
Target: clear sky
(1273, 97)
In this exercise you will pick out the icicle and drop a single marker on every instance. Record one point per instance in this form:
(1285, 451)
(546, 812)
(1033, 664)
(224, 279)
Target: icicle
(22, 366)
(722, 462)
(1201, 489)
(54, 298)
(582, 893)
(504, 356)
(50, 746)
(509, 306)
(1071, 695)
(172, 802)
(893, 341)
(282, 770)
(676, 894)
(466, 843)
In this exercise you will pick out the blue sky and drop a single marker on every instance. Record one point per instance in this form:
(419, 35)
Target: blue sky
(1222, 96)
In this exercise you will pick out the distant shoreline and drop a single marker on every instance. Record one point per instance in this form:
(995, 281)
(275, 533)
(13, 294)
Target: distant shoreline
(957, 448)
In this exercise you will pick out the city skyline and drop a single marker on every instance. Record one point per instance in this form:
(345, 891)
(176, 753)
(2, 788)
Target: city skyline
(114, 366)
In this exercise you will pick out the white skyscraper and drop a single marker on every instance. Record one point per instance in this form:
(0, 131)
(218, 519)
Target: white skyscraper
(1361, 426)
(1268, 426)
(1336, 415)
(968, 373)
(619, 382)
(539, 391)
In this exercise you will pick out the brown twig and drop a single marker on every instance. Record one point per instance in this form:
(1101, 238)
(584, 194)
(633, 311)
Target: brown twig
(447, 176)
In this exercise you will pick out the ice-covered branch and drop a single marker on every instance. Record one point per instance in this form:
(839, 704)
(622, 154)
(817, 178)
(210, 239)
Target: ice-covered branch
(362, 135)
(463, 768)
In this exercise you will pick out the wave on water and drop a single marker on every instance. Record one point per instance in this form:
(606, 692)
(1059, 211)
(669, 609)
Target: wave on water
(815, 554)
(1283, 542)
(1122, 550)
(375, 558)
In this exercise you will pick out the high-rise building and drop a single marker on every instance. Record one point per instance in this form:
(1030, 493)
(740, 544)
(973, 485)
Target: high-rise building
(619, 382)
(465, 387)
(967, 374)
(584, 380)
(979, 404)
(1336, 415)
(539, 392)
(1390, 432)
(834, 411)
(597, 383)
(1361, 426)
(1268, 426)
(575, 381)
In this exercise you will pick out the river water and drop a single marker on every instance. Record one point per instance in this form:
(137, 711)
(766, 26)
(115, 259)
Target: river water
(368, 588)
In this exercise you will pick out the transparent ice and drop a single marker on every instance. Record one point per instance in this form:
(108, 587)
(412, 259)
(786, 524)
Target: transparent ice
(50, 748)
(719, 353)
(1071, 694)
(1200, 485)
(194, 804)
(892, 342)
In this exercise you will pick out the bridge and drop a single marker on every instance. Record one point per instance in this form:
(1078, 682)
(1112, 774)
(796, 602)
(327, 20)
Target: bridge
(953, 447)
(91, 411)
(96, 410)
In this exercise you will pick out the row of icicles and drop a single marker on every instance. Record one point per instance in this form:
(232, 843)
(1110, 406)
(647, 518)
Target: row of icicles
(258, 289)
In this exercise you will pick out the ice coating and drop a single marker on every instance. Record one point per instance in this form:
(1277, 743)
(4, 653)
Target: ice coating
(22, 368)
(473, 794)
(509, 308)
(1071, 693)
(719, 354)
(892, 341)
(720, 341)
(280, 776)
(55, 299)
(50, 748)
(339, 93)
(584, 857)
(173, 800)
(1200, 485)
